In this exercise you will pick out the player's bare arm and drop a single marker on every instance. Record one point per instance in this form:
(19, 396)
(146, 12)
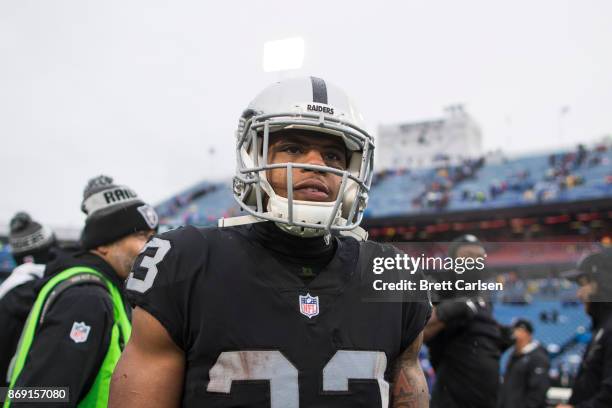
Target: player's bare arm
(409, 385)
(150, 371)
(433, 327)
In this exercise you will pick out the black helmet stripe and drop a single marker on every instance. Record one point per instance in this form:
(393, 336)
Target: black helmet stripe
(319, 90)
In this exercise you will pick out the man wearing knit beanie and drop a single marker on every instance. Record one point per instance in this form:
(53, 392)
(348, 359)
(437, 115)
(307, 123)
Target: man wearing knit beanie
(33, 245)
(80, 320)
(29, 240)
(113, 212)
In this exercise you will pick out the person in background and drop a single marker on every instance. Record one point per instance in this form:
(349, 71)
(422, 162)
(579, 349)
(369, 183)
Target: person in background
(526, 378)
(32, 246)
(464, 340)
(80, 320)
(593, 385)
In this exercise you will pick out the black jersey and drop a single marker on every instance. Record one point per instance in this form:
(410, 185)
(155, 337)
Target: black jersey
(256, 335)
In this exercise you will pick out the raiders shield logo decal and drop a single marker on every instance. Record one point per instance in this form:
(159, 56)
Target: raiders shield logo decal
(149, 215)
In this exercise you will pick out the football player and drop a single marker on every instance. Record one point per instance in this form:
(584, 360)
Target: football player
(269, 310)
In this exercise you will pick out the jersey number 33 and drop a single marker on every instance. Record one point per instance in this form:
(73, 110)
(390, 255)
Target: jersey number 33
(272, 365)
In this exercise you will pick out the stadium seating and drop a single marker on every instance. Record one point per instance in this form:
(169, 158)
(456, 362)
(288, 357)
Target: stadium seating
(515, 182)
(565, 338)
(202, 204)
(559, 332)
(471, 185)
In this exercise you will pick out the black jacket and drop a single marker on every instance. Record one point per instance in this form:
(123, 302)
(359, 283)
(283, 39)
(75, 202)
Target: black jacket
(15, 306)
(526, 379)
(593, 385)
(465, 356)
(14, 309)
(55, 359)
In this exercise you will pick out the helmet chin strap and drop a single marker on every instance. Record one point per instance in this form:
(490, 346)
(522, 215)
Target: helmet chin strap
(311, 212)
(303, 211)
(302, 232)
(358, 233)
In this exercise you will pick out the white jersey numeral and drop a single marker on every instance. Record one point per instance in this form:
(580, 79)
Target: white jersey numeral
(345, 365)
(161, 247)
(348, 365)
(257, 365)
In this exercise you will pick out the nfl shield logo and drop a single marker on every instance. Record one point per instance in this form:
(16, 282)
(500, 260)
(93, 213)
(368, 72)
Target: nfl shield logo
(79, 332)
(309, 305)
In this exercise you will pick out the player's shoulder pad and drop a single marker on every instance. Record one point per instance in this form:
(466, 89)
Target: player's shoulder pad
(369, 251)
(182, 237)
(170, 257)
(378, 249)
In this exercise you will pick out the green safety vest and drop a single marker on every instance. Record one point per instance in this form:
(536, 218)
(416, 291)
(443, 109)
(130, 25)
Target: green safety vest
(97, 396)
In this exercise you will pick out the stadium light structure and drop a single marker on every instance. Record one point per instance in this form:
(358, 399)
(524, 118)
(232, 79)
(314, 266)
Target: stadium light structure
(282, 55)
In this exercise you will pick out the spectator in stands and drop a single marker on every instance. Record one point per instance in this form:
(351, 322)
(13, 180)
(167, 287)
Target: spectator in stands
(593, 385)
(595, 161)
(437, 196)
(33, 245)
(526, 377)
(552, 160)
(464, 340)
(480, 197)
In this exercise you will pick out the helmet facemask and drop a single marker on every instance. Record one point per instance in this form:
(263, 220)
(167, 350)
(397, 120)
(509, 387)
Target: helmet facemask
(298, 217)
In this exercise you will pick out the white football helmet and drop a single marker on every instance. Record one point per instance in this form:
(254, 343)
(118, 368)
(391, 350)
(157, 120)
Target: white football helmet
(312, 104)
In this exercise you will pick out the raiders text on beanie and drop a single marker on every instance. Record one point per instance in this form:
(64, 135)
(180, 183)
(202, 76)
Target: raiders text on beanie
(113, 212)
(28, 236)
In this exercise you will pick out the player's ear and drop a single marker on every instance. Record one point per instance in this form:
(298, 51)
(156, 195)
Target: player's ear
(103, 249)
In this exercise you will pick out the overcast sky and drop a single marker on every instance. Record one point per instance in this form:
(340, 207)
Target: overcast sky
(143, 90)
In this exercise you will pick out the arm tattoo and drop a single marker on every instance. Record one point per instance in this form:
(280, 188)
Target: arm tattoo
(409, 385)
